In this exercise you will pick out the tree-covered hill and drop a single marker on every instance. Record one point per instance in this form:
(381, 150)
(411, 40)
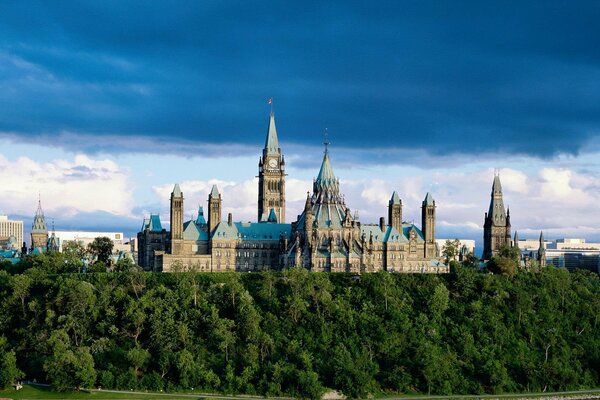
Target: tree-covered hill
(296, 333)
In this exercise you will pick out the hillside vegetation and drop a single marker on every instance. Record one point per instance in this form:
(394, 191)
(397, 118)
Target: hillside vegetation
(297, 333)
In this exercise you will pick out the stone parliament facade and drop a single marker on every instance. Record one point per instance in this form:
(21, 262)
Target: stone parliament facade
(325, 237)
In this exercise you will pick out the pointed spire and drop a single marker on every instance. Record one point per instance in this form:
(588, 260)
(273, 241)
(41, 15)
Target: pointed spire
(496, 186)
(516, 240)
(428, 201)
(326, 175)
(177, 191)
(272, 142)
(214, 191)
(497, 212)
(308, 204)
(541, 238)
(395, 198)
(39, 221)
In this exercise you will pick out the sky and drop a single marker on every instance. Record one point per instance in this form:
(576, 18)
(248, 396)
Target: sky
(104, 106)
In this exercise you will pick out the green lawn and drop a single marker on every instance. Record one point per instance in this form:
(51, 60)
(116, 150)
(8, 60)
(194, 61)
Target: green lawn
(40, 392)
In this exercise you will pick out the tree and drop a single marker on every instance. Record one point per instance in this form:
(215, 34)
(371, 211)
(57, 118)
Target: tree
(9, 372)
(124, 264)
(506, 262)
(73, 253)
(101, 250)
(21, 285)
(450, 250)
(69, 367)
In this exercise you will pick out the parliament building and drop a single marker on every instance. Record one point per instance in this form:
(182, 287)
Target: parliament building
(325, 237)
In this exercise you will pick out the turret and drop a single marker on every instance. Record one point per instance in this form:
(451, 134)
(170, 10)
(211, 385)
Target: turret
(428, 225)
(542, 250)
(176, 220)
(214, 209)
(395, 212)
(39, 229)
(496, 227)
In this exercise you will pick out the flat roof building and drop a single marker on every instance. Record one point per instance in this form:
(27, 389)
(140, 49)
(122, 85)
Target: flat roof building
(10, 228)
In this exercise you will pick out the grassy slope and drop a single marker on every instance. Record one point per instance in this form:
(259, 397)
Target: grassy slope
(40, 392)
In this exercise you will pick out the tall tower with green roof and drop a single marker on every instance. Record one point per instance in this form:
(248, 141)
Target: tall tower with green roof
(39, 229)
(271, 177)
(496, 227)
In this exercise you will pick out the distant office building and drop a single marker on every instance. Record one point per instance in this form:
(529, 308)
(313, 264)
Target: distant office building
(8, 229)
(86, 238)
(569, 253)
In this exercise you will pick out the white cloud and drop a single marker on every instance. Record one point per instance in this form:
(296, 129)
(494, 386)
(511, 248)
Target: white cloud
(67, 187)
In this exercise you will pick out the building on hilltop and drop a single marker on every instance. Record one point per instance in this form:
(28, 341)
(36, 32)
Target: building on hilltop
(152, 242)
(325, 237)
(496, 226)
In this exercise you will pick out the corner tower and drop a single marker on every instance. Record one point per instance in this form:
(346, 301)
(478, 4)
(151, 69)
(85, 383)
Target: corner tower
(39, 229)
(214, 209)
(176, 220)
(271, 177)
(496, 226)
(395, 212)
(428, 225)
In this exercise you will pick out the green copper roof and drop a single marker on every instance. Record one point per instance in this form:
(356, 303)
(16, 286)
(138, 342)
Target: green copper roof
(251, 231)
(395, 198)
(272, 143)
(193, 231)
(200, 219)
(272, 216)
(177, 191)
(388, 235)
(214, 191)
(326, 175)
(407, 228)
(428, 200)
(152, 223)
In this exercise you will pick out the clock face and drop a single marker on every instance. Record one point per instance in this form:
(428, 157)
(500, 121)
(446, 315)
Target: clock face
(273, 163)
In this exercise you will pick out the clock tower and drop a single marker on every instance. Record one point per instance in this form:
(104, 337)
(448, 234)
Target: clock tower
(271, 177)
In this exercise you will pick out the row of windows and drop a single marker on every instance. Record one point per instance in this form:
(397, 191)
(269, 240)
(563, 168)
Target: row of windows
(274, 186)
(247, 245)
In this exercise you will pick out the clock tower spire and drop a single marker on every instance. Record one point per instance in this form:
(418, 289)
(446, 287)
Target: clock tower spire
(271, 176)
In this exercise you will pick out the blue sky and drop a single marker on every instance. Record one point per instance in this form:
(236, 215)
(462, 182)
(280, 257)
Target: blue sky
(105, 105)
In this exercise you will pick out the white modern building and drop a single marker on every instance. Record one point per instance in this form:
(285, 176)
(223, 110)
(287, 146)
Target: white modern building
(10, 228)
(85, 238)
(569, 253)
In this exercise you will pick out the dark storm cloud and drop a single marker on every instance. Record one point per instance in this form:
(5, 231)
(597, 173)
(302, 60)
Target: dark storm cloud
(440, 77)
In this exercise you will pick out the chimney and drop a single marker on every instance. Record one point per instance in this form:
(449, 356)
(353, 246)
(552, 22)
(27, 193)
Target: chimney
(229, 219)
(382, 224)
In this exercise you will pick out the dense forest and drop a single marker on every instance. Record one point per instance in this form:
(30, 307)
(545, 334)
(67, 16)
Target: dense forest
(297, 333)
